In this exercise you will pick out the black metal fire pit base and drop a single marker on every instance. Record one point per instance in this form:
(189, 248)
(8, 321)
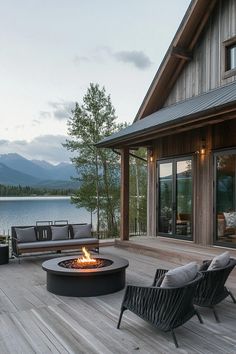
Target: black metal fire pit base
(85, 282)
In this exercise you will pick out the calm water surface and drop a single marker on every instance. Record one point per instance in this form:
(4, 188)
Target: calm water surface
(23, 211)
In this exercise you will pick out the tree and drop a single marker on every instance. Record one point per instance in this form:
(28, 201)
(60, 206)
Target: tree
(98, 169)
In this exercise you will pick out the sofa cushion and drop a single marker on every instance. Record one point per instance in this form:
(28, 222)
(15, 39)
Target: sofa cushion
(204, 266)
(59, 243)
(82, 231)
(26, 234)
(219, 261)
(230, 219)
(180, 276)
(59, 232)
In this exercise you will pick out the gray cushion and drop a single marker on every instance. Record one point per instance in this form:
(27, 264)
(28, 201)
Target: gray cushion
(180, 276)
(82, 231)
(48, 244)
(26, 234)
(219, 261)
(59, 232)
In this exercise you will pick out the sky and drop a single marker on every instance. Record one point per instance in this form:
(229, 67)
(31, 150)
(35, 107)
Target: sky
(51, 50)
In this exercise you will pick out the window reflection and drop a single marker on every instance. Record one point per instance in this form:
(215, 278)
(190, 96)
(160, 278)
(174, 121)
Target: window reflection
(226, 198)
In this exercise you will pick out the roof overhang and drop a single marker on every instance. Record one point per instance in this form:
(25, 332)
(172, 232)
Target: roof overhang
(210, 108)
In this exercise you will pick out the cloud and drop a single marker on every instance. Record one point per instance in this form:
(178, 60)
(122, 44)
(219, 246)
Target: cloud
(61, 110)
(137, 58)
(44, 147)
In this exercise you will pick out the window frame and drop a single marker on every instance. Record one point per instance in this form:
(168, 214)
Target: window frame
(226, 73)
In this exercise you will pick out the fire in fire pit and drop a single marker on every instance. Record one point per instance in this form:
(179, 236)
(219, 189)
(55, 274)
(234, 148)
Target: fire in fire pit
(85, 262)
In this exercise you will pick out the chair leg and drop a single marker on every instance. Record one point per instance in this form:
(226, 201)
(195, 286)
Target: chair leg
(121, 314)
(199, 316)
(232, 297)
(215, 314)
(174, 338)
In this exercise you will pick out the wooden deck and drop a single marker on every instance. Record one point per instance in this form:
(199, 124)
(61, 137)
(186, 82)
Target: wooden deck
(32, 320)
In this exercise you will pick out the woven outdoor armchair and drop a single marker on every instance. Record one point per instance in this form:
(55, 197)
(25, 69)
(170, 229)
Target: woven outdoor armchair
(165, 308)
(211, 290)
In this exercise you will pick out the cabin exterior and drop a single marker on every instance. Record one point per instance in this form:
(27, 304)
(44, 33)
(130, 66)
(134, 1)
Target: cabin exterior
(187, 122)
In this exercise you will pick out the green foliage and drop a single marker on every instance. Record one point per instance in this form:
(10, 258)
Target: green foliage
(98, 169)
(19, 191)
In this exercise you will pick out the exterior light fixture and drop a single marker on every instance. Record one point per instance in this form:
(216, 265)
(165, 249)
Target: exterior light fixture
(203, 147)
(150, 154)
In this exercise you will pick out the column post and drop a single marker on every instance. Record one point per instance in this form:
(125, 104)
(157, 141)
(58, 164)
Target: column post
(124, 197)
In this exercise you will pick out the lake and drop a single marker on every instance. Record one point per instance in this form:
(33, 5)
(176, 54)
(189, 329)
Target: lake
(24, 211)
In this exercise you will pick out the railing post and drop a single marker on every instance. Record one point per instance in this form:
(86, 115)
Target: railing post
(124, 198)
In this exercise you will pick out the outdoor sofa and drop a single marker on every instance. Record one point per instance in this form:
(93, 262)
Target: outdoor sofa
(45, 238)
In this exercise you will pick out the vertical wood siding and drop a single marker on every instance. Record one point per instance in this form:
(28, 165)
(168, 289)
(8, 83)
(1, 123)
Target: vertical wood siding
(205, 71)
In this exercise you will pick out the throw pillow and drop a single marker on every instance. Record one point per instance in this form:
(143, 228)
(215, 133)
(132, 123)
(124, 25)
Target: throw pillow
(230, 219)
(219, 261)
(26, 235)
(82, 231)
(180, 276)
(59, 232)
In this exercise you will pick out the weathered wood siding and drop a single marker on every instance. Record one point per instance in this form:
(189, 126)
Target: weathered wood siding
(205, 71)
(217, 137)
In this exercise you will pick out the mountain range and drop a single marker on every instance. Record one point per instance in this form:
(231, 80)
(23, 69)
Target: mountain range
(17, 170)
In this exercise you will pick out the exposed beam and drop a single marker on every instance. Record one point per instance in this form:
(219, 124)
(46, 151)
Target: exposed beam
(181, 53)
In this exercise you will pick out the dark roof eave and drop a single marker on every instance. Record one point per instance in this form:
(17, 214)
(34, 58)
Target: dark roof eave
(112, 143)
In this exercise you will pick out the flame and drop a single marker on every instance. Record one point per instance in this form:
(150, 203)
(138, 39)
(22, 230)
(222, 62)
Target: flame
(86, 258)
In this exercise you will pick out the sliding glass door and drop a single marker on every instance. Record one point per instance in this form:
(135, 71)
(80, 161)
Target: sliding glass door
(225, 198)
(175, 198)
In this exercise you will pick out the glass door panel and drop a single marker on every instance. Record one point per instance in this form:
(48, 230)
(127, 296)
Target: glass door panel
(175, 198)
(184, 198)
(225, 198)
(165, 197)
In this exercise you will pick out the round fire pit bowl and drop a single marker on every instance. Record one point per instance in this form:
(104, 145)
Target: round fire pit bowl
(85, 282)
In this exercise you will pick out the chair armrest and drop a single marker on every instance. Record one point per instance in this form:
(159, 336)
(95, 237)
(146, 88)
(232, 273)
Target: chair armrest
(158, 275)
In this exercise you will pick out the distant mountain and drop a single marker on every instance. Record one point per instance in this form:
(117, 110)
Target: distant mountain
(12, 177)
(38, 168)
(15, 170)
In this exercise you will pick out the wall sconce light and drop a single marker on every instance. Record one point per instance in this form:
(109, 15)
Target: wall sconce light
(150, 154)
(203, 147)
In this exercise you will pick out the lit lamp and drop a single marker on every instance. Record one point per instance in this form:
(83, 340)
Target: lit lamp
(150, 153)
(203, 147)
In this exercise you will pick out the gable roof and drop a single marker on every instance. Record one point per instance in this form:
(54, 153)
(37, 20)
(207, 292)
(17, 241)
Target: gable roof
(179, 52)
(201, 106)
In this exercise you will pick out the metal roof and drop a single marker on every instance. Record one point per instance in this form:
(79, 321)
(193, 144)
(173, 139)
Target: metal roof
(182, 111)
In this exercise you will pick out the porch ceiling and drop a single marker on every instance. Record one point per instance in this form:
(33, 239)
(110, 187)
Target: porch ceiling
(192, 113)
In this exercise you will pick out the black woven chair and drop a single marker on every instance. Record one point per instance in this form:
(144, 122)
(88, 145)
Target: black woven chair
(211, 290)
(165, 308)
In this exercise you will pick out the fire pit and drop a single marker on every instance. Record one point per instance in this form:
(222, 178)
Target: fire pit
(85, 276)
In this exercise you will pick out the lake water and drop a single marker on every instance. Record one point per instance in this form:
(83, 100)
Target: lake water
(24, 211)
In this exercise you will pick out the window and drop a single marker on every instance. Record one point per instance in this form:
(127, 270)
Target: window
(225, 197)
(231, 57)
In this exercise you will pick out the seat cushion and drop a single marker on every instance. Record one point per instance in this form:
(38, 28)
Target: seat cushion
(82, 231)
(180, 276)
(26, 234)
(59, 232)
(58, 243)
(219, 261)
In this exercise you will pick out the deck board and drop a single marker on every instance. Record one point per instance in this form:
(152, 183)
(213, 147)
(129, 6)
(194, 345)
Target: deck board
(32, 320)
